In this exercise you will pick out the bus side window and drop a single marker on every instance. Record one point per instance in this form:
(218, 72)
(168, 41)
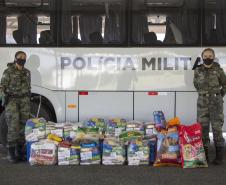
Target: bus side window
(139, 27)
(181, 24)
(90, 28)
(115, 25)
(93, 22)
(24, 22)
(27, 24)
(215, 25)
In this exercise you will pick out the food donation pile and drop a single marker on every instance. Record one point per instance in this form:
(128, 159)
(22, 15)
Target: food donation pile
(115, 142)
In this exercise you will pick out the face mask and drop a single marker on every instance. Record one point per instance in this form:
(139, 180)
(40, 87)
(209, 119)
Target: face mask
(21, 62)
(208, 61)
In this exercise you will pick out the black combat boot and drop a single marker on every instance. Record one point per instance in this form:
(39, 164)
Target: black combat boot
(11, 155)
(206, 153)
(219, 156)
(20, 153)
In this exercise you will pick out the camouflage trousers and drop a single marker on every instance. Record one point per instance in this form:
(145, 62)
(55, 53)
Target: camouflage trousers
(210, 111)
(17, 112)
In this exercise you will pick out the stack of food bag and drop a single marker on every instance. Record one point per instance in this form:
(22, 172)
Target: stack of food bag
(89, 143)
(96, 123)
(129, 135)
(87, 133)
(150, 135)
(168, 149)
(43, 153)
(138, 152)
(192, 150)
(68, 153)
(50, 126)
(137, 148)
(70, 130)
(113, 151)
(150, 130)
(116, 126)
(66, 130)
(58, 130)
(90, 152)
(135, 126)
(35, 129)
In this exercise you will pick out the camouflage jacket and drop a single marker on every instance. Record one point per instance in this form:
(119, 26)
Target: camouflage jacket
(15, 82)
(210, 80)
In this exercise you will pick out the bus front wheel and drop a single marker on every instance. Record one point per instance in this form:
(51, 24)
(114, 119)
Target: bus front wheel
(45, 112)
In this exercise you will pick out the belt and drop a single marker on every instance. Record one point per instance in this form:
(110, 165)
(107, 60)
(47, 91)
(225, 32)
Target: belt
(18, 95)
(208, 94)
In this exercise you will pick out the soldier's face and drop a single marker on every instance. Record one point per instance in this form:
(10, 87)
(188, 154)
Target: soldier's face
(21, 56)
(208, 54)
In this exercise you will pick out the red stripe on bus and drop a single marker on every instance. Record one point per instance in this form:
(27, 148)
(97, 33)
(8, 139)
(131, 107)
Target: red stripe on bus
(152, 93)
(84, 93)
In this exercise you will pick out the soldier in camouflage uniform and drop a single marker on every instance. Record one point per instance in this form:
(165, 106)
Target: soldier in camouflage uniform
(15, 84)
(210, 83)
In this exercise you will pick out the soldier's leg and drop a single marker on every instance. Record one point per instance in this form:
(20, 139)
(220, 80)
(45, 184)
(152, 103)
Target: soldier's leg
(12, 120)
(203, 119)
(217, 121)
(24, 112)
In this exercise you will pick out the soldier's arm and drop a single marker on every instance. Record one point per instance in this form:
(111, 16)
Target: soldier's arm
(4, 81)
(222, 81)
(29, 80)
(195, 79)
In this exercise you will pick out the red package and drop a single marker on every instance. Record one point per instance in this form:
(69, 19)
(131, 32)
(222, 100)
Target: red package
(191, 145)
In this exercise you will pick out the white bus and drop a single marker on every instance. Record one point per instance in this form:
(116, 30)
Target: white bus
(112, 58)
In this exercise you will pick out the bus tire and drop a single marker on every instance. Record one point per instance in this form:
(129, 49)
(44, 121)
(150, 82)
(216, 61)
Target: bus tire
(3, 129)
(45, 111)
